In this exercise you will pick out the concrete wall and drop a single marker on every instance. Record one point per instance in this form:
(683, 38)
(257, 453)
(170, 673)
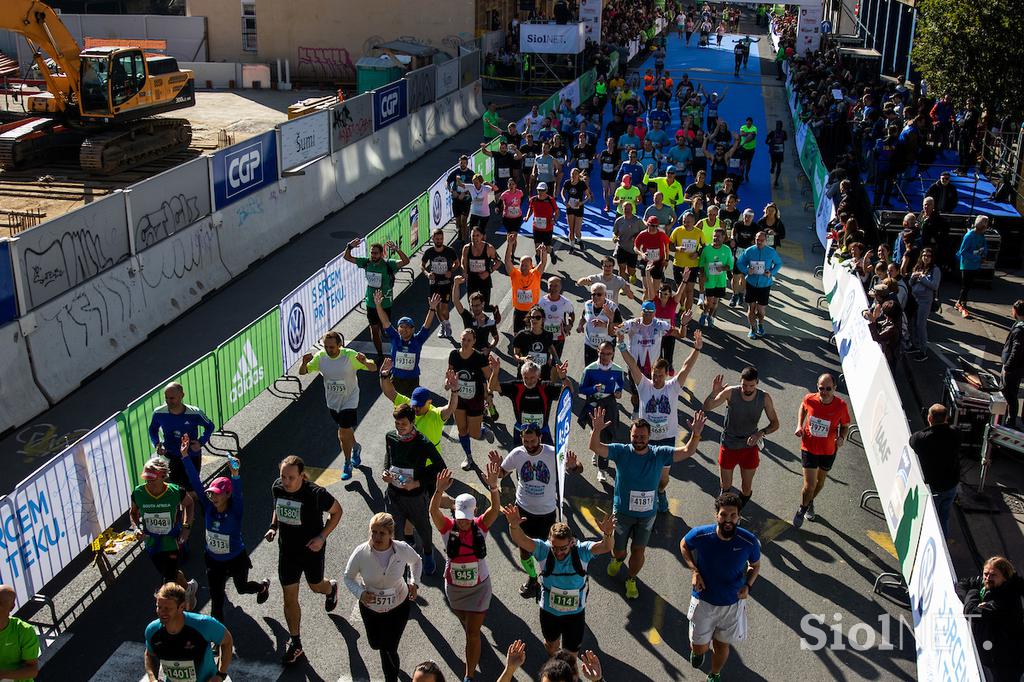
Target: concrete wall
(324, 39)
(91, 325)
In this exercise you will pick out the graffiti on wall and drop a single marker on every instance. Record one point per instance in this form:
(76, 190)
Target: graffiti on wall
(175, 213)
(325, 64)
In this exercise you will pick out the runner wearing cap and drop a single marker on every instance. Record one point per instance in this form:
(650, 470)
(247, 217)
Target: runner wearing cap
(716, 260)
(406, 344)
(543, 210)
(659, 399)
(744, 232)
(669, 186)
(457, 182)
(822, 423)
(439, 262)
(531, 396)
(686, 241)
(612, 282)
(161, 513)
(645, 334)
(467, 582)
(525, 279)
(182, 643)
(599, 321)
(536, 467)
(380, 276)
(339, 366)
(299, 508)
(638, 471)
(564, 565)
(651, 247)
(759, 263)
(559, 314)
(575, 195)
(629, 179)
(226, 555)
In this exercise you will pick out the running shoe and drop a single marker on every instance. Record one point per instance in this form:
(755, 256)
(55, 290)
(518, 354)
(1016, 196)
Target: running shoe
(357, 452)
(920, 356)
(530, 589)
(429, 567)
(752, 334)
(602, 477)
(554, 256)
(760, 330)
(442, 333)
(346, 471)
(696, 660)
(711, 321)
(964, 312)
(264, 594)
(613, 567)
(810, 512)
(714, 677)
(467, 463)
(703, 320)
(331, 601)
(492, 411)
(487, 433)
(632, 592)
(292, 654)
(798, 518)
(662, 502)
(191, 590)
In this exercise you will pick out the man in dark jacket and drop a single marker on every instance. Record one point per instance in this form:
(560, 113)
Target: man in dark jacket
(945, 194)
(1013, 364)
(938, 449)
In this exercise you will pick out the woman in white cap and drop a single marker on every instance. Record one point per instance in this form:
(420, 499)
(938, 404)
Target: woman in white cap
(225, 550)
(467, 581)
(375, 574)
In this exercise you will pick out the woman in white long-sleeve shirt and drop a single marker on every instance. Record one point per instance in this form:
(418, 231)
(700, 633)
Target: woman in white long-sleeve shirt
(375, 573)
(924, 285)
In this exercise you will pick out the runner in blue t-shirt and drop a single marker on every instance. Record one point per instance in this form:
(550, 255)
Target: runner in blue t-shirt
(563, 566)
(638, 472)
(406, 345)
(179, 642)
(725, 560)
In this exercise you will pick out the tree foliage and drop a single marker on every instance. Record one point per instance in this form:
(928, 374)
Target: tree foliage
(973, 49)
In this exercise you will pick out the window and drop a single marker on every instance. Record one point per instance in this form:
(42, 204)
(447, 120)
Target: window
(249, 26)
(127, 76)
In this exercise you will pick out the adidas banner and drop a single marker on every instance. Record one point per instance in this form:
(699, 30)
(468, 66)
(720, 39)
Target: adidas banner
(249, 362)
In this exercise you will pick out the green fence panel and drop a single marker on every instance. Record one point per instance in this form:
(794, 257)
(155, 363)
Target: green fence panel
(390, 230)
(587, 81)
(420, 220)
(484, 165)
(249, 362)
(201, 389)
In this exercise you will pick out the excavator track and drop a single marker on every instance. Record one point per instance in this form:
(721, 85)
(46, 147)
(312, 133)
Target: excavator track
(135, 143)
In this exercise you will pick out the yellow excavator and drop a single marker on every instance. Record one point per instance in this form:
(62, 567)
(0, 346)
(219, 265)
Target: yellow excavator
(101, 100)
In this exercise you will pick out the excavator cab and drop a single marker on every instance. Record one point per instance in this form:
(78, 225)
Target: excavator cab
(113, 80)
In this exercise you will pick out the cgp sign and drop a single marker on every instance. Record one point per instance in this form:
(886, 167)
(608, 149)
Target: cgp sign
(241, 169)
(305, 139)
(552, 38)
(390, 104)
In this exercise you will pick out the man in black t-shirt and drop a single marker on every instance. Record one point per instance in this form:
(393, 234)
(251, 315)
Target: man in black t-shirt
(299, 508)
(480, 317)
(534, 343)
(776, 142)
(507, 162)
(744, 232)
(439, 263)
(406, 473)
(460, 195)
(531, 398)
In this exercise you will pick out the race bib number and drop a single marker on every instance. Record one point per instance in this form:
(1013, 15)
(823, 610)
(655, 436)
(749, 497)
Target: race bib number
(524, 296)
(659, 425)
(476, 265)
(734, 163)
(336, 388)
(607, 167)
(553, 327)
(467, 389)
(158, 523)
(179, 671)
(653, 255)
(563, 601)
(513, 211)
(584, 164)
(439, 267)
(384, 600)
(540, 223)
(539, 358)
(716, 268)
(757, 267)
(528, 161)
(770, 239)
(405, 361)
(690, 245)
(503, 172)
(529, 418)
(218, 543)
(405, 474)
(692, 608)
(574, 203)
(641, 500)
(289, 512)
(465, 574)
(819, 428)
(373, 279)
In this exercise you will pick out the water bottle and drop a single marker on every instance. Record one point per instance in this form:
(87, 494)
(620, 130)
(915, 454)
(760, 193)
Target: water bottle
(234, 463)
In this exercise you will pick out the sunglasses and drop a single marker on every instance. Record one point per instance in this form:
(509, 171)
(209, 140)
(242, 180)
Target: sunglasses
(824, 388)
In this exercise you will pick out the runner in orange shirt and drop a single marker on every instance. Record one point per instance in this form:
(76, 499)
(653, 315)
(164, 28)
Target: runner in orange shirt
(822, 423)
(525, 281)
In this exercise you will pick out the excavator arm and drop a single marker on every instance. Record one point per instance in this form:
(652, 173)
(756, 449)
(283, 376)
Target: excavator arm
(45, 32)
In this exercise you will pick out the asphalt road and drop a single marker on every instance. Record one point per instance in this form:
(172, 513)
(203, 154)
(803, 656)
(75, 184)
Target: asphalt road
(826, 568)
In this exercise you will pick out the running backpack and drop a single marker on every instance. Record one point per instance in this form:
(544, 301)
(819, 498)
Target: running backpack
(455, 543)
(577, 564)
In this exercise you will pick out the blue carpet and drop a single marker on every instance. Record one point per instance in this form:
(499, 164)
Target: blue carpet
(713, 67)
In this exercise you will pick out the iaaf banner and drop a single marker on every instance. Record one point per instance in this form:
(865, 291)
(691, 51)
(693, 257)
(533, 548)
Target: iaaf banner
(55, 514)
(552, 38)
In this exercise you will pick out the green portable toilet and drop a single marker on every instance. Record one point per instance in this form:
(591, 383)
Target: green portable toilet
(375, 72)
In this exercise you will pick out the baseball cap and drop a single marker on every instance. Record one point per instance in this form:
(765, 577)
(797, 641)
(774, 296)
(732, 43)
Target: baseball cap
(542, 187)
(420, 397)
(150, 475)
(653, 220)
(221, 486)
(465, 505)
(406, 321)
(648, 307)
(670, 169)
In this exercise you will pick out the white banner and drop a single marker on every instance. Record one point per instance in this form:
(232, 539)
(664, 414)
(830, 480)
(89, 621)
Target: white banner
(440, 202)
(304, 139)
(447, 78)
(945, 644)
(54, 514)
(590, 16)
(808, 28)
(552, 38)
(571, 92)
(318, 304)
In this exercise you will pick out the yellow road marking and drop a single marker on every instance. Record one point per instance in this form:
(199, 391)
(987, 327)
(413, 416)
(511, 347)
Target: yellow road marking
(657, 620)
(884, 541)
(323, 477)
(591, 509)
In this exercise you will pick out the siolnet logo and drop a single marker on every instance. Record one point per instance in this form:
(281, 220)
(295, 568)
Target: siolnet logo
(248, 375)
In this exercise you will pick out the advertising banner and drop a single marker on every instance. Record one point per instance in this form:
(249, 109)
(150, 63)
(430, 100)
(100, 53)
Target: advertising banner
(249, 362)
(54, 514)
(563, 424)
(808, 28)
(447, 78)
(169, 202)
(552, 38)
(243, 168)
(305, 139)
(422, 85)
(351, 120)
(440, 202)
(590, 16)
(390, 104)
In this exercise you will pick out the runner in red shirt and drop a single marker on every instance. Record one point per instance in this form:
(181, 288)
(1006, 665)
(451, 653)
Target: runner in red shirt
(544, 211)
(822, 424)
(651, 246)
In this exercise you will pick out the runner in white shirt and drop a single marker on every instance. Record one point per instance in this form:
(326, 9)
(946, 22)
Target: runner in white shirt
(659, 398)
(375, 574)
(338, 367)
(534, 121)
(559, 315)
(600, 318)
(480, 196)
(645, 334)
(536, 468)
(613, 282)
